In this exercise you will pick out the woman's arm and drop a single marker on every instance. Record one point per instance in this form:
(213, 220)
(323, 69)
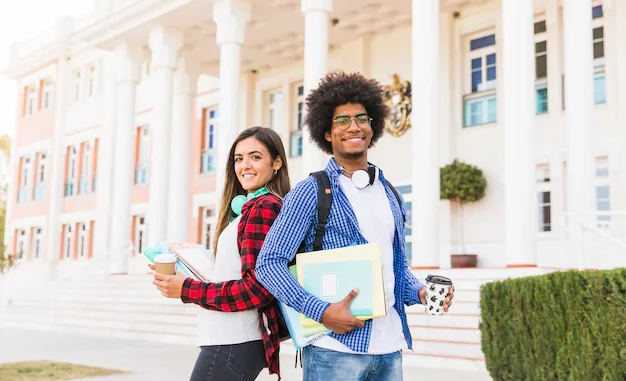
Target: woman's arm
(246, 293)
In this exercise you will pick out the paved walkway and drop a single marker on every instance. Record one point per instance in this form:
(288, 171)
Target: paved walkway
(149, 361)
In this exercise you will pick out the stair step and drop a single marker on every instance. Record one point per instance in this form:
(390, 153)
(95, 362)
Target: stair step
(447, 320)
(445, 333)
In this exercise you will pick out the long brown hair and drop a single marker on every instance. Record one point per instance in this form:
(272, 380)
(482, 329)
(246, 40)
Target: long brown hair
(278, 185)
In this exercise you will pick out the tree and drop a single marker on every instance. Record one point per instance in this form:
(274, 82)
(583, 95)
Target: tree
(463, 184)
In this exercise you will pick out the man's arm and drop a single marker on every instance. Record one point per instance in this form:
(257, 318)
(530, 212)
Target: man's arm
(280, 246)
(412, 286)
(246, 293)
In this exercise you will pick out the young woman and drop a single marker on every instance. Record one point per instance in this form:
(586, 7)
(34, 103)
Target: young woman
(238, 326)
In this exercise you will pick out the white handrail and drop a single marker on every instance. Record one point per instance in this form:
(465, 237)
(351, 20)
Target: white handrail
(587, 223)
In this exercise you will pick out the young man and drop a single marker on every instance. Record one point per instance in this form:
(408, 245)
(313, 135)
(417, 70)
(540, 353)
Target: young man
(346, 116)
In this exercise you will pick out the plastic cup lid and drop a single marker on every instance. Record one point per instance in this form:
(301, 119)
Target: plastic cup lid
(165, 258)
(438, 279)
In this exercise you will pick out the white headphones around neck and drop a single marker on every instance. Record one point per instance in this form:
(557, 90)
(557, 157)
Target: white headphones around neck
(362, 178)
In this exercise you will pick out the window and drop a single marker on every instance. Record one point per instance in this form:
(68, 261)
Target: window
(40, 182)
(140, 234)
(31, 99)
(77, 85)
(480, 105)
(25, 180)
(276, 110)
(91, 81)
(37, 242)
(83, 240)
(597, 24)
(48, 94)
(71, 171)
(603, 189)
(405, 191)
(85, 171)
(207, 158)
(481, 111)
(295, 141)
(208, 221)
(141, 171)
(544, 206)
(21, 244)
(541, 67)
(69, 240)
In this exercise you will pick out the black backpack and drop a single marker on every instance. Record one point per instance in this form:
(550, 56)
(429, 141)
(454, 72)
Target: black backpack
(324, 203)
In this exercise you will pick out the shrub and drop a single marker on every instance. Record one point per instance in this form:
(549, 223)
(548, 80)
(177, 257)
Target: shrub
(566, 326)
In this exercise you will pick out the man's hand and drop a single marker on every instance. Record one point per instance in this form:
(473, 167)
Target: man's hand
(338, 317)
(171, 286)
(446, 304)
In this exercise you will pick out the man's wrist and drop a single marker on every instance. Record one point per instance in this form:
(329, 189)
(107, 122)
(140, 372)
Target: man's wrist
(314, 308)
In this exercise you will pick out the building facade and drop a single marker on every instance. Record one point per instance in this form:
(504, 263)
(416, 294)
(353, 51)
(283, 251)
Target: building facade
(126, 118)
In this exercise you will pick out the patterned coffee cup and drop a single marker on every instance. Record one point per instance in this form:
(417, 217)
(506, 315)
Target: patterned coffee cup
(437, 288)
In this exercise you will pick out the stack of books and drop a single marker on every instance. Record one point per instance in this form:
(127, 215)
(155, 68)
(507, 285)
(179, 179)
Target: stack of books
(331, 275)
(192, 260)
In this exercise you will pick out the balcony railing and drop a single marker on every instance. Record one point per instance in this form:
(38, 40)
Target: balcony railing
(207, 163)
(141, 174)
(40, 192)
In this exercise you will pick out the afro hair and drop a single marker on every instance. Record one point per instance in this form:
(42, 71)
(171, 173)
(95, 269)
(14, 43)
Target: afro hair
(338, 89)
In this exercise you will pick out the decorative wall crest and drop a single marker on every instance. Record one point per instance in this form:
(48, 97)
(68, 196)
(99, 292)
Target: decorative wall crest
(398, 98)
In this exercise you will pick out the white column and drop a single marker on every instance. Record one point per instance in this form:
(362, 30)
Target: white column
(185, 80)
(57, 161)
(425, 174)
(518, 120)
(579, 106)
(104, 171)
(129, 62)
(164, 45)
(231, 17)
(316, 15)
(57, 156)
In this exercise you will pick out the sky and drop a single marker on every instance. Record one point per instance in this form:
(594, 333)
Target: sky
(19, 21)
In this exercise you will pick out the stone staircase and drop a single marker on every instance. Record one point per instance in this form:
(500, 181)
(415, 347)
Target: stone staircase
(129, 306)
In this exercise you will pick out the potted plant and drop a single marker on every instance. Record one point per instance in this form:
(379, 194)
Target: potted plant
(462, 183)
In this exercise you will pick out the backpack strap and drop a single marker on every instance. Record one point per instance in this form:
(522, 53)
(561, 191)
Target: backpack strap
(395, 192)
(324, 203)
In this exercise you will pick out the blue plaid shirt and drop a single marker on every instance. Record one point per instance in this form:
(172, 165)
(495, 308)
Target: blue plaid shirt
(296, 223)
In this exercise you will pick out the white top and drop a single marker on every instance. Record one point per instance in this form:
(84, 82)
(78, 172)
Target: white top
(373, 213)
(222, 328)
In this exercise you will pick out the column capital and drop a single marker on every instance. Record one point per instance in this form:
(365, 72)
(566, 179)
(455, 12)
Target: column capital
(316, 5)
(231, 17)
(165, 44)
(128, 60)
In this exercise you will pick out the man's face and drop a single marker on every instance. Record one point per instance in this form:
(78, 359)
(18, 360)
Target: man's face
(351, 131)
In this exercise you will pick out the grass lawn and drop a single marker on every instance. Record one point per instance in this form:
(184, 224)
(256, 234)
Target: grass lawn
(49, 371)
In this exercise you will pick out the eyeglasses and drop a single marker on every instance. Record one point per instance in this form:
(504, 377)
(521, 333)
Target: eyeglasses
(343, 122)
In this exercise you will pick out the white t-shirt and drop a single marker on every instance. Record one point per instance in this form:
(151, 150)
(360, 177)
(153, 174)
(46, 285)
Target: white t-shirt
(373, 213)
(223, 328)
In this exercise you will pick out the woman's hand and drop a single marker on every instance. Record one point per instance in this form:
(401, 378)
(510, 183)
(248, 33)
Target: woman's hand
(171, 286)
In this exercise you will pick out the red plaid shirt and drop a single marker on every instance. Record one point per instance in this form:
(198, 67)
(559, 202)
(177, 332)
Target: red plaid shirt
(257, 216)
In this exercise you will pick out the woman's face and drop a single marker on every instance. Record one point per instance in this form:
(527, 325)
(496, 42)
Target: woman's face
(254, 166)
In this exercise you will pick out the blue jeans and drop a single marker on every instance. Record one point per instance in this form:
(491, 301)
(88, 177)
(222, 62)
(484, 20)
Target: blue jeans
(234, 362)
(322, 364)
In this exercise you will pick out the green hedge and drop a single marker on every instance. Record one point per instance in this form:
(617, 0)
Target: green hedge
(566, 326)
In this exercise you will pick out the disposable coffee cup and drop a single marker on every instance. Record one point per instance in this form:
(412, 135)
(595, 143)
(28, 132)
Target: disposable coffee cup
(437, 288)
(165, 263)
